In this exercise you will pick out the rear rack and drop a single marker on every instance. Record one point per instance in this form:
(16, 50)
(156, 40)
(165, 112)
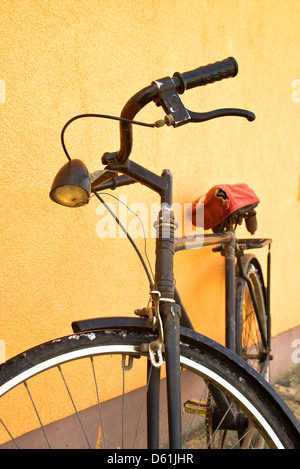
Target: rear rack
(199, 241)
(255, 243)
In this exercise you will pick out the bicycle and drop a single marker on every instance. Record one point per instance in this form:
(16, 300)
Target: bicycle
(233, 403)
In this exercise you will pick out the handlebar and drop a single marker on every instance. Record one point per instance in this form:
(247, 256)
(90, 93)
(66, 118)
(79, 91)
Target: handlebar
(164, 92)
(227, 68)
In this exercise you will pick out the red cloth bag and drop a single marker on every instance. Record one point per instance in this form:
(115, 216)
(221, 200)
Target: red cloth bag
(222, 200)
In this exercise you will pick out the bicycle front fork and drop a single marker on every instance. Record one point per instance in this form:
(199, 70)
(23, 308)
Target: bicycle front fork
(169, 314)
(171, 324)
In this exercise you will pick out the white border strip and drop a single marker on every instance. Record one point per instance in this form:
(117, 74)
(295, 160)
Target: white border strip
(81, 353)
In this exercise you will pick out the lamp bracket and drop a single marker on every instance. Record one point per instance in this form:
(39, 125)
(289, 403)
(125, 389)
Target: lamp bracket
(98, 177)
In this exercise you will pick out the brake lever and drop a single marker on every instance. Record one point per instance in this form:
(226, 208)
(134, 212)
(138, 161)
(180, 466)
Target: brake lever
(176, 112)
(205, 116)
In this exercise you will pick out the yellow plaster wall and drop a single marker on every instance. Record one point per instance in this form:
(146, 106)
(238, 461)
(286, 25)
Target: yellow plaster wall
(63, 58)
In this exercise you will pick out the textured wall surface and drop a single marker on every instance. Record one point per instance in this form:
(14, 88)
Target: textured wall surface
(63, 58)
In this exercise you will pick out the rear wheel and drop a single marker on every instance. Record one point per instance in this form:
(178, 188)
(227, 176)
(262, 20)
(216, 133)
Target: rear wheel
(250, 345)
(65, 394)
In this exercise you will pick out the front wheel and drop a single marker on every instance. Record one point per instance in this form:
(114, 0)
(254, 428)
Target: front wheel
(66, 394)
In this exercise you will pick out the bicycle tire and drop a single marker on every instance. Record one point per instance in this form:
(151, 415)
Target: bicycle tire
(200, 357)
(249, 343)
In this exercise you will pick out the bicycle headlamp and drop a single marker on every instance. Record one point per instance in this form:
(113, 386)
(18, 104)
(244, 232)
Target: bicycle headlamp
(72, 185)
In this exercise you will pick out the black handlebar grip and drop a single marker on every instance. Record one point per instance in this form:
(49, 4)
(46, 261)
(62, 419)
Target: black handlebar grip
(227, 68)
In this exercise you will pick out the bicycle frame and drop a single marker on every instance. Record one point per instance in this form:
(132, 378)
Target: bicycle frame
(171, 309)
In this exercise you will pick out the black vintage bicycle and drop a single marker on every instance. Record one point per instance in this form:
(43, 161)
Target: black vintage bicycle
(193, 392)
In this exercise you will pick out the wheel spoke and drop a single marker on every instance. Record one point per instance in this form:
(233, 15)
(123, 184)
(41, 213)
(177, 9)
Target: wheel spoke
(204, 392)
(10, 435)
(142, 409)
(99, 404)
(123, 404)
(37, 414)
(74, 406)
(218, 427)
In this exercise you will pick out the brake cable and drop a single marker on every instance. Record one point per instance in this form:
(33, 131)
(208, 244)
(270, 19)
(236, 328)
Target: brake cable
(128, 236)
(104, 116)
